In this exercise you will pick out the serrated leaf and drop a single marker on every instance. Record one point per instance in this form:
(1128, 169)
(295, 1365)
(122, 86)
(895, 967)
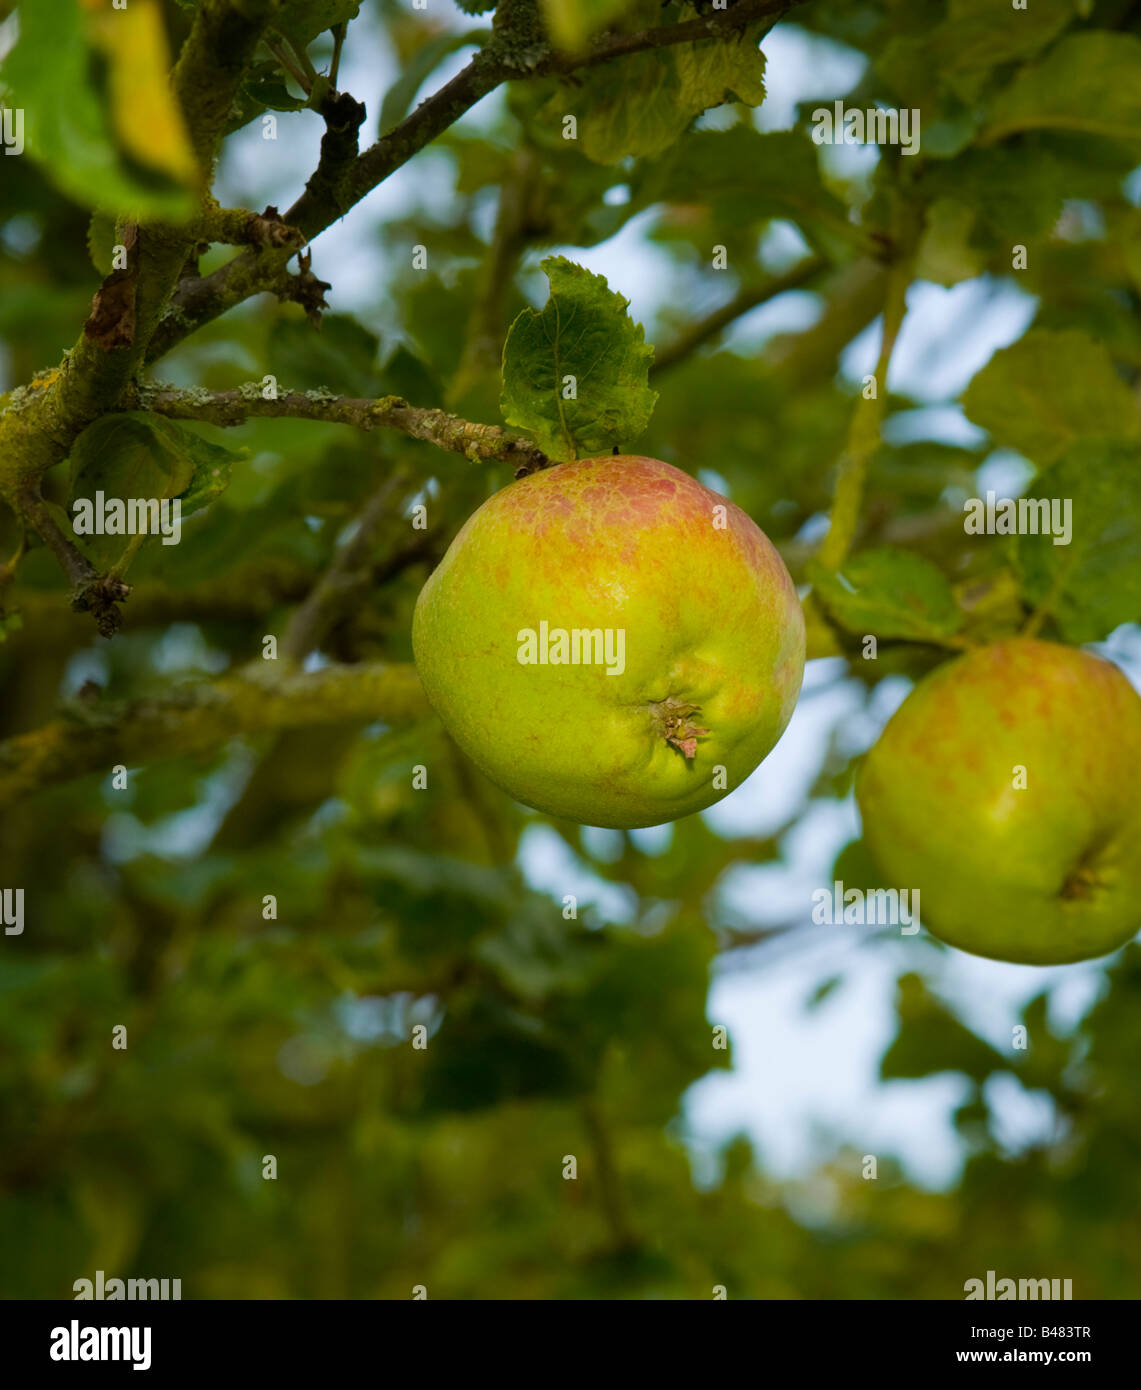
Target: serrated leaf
(1047, 390)
(710, 74)
(889, 593)
(645, 107)
(1093, 584)
(1088, 82)
(584, 342)
(141, 456)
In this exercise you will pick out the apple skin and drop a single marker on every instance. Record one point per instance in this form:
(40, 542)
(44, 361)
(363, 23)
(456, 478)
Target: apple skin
(714, 642)
(1041, 876)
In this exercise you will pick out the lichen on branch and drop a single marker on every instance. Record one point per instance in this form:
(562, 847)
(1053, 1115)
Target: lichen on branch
(476, 442)
(201, 717)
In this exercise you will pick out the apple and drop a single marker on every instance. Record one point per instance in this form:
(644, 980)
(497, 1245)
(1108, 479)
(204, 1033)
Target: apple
(1006, 789)
(611, 642)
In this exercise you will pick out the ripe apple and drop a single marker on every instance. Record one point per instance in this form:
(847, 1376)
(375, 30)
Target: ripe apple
(1007, 789)
(611, 642)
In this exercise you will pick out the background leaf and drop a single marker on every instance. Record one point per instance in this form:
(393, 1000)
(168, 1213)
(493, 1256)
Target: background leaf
(1046, 390)
(890, 593)
(1093, 584)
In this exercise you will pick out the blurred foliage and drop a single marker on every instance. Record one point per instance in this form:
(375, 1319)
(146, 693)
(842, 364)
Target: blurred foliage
(548, 1034)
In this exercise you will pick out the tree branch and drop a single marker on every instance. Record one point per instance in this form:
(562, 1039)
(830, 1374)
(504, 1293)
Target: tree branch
(199, 718)
(42, 421)
(202, 299)
(478, 443)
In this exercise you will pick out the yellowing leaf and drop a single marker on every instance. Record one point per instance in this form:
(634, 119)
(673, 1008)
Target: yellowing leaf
(145, 115)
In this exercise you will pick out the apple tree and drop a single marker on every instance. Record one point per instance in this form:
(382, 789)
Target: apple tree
(296, 1002)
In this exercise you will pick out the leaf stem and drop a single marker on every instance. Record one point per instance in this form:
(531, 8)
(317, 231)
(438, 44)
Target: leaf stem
(864, 431)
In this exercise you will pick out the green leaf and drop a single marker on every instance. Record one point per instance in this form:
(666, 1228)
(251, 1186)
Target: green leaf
(303, 20)
(575, 374)
(1088, 82)
(945, 255)
(571, 23)
(340, 356)
(784, 177)
(1005, 188)
(77, 119)
(273, 94)
(137, 456)
(646, 107)
(889, 593)
(1093, 584)
(417, 69)
(723, 70)
(101, 240)
(932, 1040)
(1048, 389)
(960, 54)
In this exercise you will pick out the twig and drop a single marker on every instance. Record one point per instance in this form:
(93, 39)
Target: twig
(739, 17)
(277, 48)
(476, 442)
(745, 300)
(42, 422)
(202, 299)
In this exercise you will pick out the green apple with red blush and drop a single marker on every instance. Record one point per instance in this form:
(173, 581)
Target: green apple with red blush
(611, 642)
(1006, 790)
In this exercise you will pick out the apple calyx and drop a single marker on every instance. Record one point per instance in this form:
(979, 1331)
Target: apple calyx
(1085, 879)
(673, 719)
